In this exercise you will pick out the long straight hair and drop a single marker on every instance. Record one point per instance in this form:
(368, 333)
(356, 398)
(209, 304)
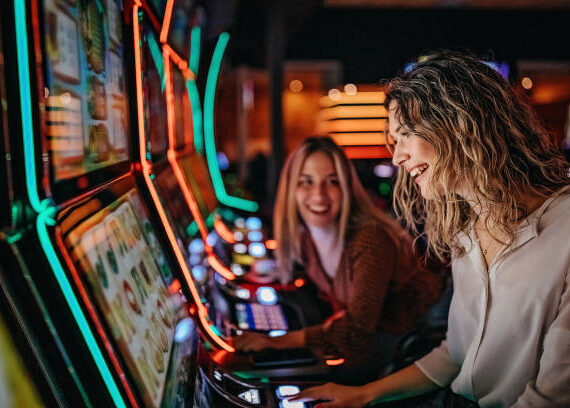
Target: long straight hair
(356, 209)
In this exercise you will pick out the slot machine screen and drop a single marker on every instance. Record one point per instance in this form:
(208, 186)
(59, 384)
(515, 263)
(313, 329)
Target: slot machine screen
(183, 126)
(153, 94)
(126, 275)
(86, 106)
(196, 172)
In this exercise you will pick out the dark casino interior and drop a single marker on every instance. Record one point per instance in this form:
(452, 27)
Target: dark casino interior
(141, 143)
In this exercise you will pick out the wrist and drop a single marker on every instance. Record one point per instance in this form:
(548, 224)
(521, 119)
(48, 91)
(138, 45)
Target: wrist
(369, 393)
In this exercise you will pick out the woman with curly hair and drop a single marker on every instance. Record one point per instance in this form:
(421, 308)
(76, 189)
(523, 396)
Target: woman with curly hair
(359, 257)
(480, 173)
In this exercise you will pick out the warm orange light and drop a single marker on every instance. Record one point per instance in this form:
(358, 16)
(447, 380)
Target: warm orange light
(220, 268)
(360, 139)
(350, 89)
(299, 283)
(356, 111)
(180, 63)
(223, 231)
(166, 21)
(367, 152)
(334, 95)
(359, 98)
(271, 244)
(296, 85)
(202, 312)
(526, 83)
(335, 362)
(353, 125)
(174, 286)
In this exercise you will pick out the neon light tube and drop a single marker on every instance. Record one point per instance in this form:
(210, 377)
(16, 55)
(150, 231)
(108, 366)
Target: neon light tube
(223, 231)
(196, 117)
(202, 312)
(166, 21)
(209, 138)
(44, 219)
(195, 41)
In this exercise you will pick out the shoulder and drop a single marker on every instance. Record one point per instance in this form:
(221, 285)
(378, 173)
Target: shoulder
(372, 235)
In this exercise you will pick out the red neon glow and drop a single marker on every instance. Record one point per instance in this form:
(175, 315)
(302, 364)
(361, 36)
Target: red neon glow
(335, 362)
(367, 152)
(94, 317)
(299, 282)
(174, 286)
(166, 21)
(202, 312)
(271, 244)
(223, 231)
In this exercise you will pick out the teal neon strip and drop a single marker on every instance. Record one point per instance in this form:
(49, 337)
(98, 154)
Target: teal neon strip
(209, 138)
(44, 219)
(157, 58)
(195, 41)
(196, 115)
(25, 103)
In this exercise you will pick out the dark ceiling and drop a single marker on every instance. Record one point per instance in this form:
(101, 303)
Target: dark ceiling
(375, 42)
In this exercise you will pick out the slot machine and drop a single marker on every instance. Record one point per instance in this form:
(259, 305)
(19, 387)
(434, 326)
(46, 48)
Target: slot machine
(114, 326)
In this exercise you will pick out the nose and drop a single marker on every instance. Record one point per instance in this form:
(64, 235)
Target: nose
(400, 155)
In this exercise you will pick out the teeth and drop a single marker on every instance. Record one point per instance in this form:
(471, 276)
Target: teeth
(318, 209)
(418, 170)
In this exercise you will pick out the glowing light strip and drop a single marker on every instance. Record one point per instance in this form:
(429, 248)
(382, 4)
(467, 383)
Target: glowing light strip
(180, 63)
(180, 178)
(353, 111)
(360, 139)
(166, 21)
(44, 219)
(156, 55)
(195, 40)
(45, 213)
(359, 98)
(367, 152)
(202, 312)
(352, 125)
(335, 362)
(223, 231)
(209, 138)
(98, 325)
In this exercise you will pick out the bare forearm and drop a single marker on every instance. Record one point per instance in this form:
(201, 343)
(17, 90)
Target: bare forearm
(293, 339)
(405, 383)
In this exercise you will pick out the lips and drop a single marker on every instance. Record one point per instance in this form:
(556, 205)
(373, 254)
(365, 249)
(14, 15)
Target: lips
(318, 209)
(418, 170)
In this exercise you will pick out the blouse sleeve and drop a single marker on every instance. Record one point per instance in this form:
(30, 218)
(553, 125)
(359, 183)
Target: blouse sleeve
(438, 366)
(373, 263)
(552, 385)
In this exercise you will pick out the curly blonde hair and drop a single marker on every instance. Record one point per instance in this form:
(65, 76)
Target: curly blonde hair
(486, 137)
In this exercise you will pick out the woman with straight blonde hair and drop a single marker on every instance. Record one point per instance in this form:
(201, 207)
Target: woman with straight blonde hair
(358, 257)
(479, 171)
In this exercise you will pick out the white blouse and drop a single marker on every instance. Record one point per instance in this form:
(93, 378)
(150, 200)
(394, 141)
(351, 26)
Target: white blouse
(508, 338)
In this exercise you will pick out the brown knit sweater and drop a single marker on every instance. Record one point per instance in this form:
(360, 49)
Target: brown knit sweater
(378, 287)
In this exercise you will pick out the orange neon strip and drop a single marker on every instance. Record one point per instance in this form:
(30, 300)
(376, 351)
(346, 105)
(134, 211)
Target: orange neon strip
(180, 63)
(223, 231)
(271, 244)
(146, 171)
(352, 125)
(166, 21)
(335, 362)
(367, 152)
(358, 111)
(359, 98)
(180, 178)
(95, 318)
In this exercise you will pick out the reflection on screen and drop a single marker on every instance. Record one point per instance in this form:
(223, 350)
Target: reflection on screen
(118, 260)
(86, 101)
(196, 173)
(183, 127)
(153, 95)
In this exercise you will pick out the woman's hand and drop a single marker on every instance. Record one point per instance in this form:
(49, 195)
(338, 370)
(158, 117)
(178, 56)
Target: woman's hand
(251, 341)
(340, 396)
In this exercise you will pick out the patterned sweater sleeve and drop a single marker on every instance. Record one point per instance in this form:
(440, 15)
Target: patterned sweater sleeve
(371, 258)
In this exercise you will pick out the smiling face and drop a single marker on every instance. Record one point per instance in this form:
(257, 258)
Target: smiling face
(318, 194)
(415, 154)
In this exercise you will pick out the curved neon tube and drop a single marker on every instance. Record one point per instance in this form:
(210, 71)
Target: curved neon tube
(202, 312)
(209, 138)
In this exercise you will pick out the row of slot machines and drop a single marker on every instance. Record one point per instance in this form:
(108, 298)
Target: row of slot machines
(124, 273)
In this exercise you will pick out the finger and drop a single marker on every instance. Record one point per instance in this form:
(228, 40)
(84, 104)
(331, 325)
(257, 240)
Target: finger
(309, 394)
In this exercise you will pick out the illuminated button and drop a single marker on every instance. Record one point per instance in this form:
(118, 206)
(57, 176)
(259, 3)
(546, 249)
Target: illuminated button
(199, 273)
(238, 236)
(212, 238)
(196, 246)
(291, 404)
(254, 236)
(239, 222)
(277, 333)
(243, 293)
(240, 248)
(287, 390)
(237, 270)
(220, 279)
(184, 330)
(218, 375)
(195, 259)
(266, 295)
(253, 223)
(251, 396)
(257, 249)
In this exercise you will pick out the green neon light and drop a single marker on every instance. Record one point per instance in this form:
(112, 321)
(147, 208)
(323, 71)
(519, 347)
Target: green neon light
(196, 115)
(192, 229)
(45, 211)
(25, 102)
(210, 221)
(44, 219)
(195, 41)
(209, 138)
(156, 55)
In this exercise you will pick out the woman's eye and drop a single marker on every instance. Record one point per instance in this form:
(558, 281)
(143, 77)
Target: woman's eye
(334, 181)
(304, 182)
